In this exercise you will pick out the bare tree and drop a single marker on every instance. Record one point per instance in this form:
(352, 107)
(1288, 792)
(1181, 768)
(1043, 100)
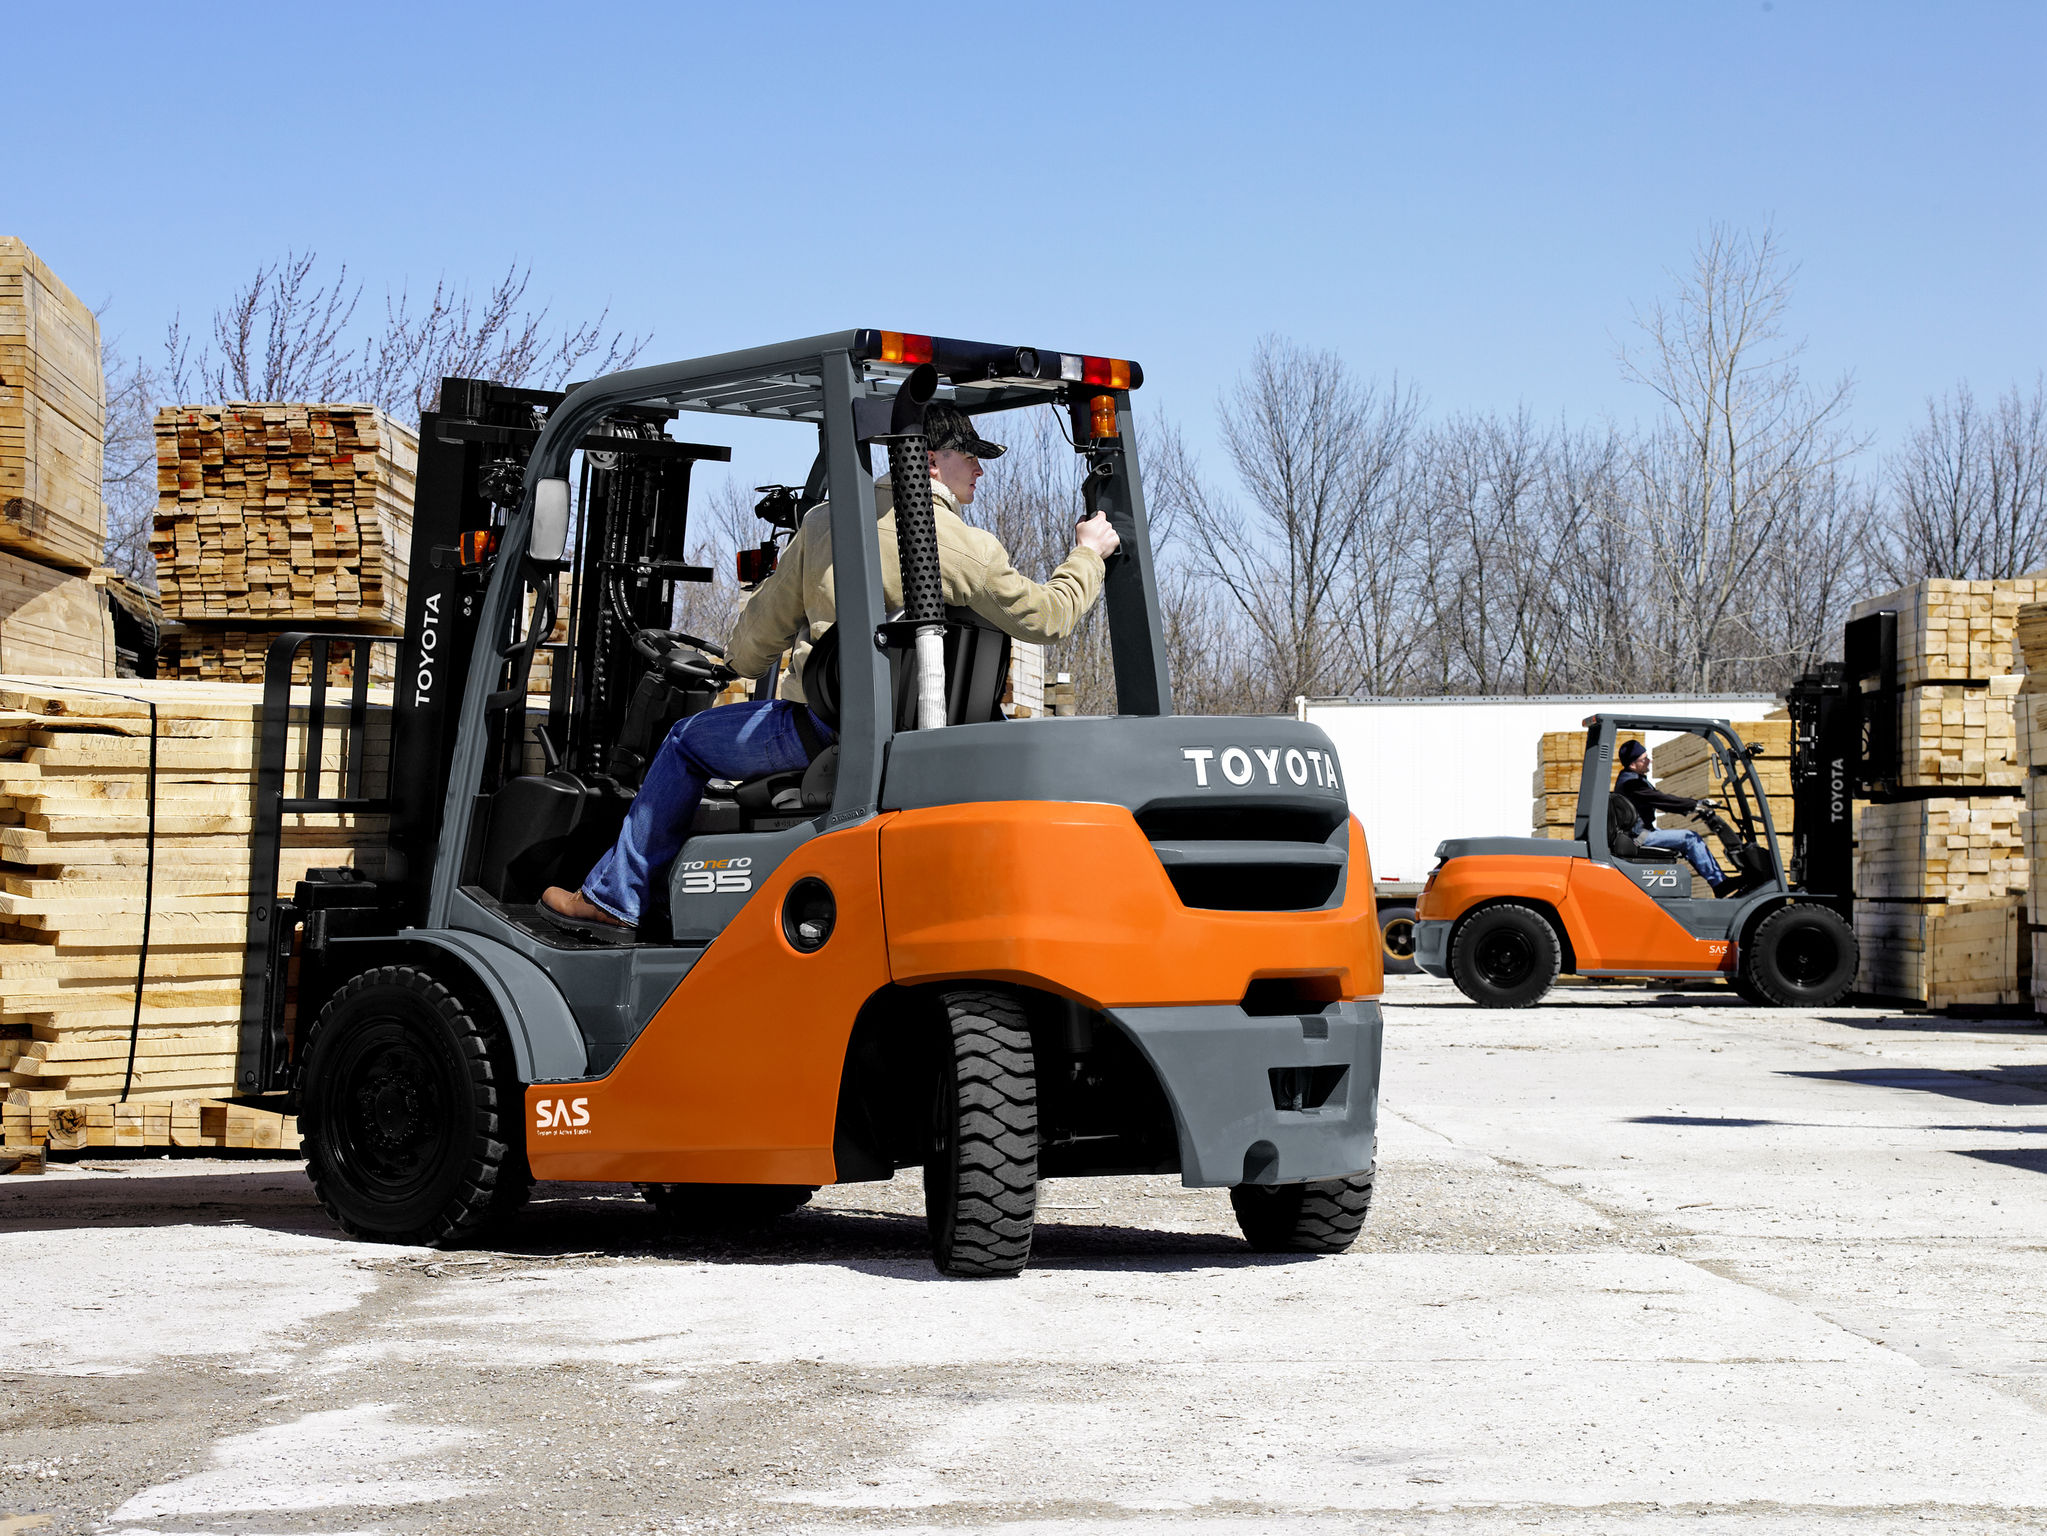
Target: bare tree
(1718, 483)
(287, 335)
(128, 468)
(1969, 491)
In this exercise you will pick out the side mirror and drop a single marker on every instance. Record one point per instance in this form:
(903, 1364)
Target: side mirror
(550, 522)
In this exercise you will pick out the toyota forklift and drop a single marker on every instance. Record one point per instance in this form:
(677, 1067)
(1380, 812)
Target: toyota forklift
(1502, 917)
(997, 949)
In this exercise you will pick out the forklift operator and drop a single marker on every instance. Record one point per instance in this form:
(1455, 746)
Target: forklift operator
(1647, 800)
(741, 741)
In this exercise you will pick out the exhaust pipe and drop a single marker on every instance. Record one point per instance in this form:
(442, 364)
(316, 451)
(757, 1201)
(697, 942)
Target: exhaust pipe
(917, 542)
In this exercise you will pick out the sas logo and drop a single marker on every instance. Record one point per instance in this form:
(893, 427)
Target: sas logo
(1237, 765)
(562, 1117)
(701, 877)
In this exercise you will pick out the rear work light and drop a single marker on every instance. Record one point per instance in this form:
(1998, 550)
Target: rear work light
(902, 347)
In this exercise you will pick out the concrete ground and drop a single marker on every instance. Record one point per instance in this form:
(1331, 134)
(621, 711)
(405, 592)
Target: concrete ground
(1640, 1262)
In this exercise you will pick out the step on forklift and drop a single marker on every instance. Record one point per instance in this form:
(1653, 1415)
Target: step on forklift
(996, 949)
(1502, 917)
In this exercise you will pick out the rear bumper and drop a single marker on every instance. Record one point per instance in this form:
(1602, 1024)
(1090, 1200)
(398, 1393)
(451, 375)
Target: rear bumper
(1432, 946)
(1217, 1066)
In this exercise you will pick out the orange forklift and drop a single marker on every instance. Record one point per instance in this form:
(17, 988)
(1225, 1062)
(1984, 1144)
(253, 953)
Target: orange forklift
(996, 949)
(1502, 917)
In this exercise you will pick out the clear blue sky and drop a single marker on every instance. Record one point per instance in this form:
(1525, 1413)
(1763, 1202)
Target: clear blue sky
(1472, 195)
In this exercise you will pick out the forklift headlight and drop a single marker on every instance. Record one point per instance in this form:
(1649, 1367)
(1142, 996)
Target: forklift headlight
(808, 913)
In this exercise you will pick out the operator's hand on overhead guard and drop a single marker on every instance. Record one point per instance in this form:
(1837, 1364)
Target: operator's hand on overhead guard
(1095, 533)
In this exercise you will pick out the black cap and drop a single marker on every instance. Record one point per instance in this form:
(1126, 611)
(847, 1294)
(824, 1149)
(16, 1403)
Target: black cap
(949, 427)
(1630, 750)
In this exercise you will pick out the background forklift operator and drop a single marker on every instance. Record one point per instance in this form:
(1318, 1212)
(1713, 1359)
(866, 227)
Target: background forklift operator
(1647, 800)
(772, 735)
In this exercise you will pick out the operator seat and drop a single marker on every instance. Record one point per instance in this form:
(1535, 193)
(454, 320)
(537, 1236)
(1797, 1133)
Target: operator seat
(1620, 835)
(976, 676)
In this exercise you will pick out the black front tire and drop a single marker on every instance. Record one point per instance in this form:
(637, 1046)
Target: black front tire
(1802, 956)
(981, 1172)
(1324, 1216)
(1396, 941)
(1505, 956)
(410, 1111)
(702, 1208)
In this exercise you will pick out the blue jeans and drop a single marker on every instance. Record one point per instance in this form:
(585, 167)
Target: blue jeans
(738, 741)
(1690, 844)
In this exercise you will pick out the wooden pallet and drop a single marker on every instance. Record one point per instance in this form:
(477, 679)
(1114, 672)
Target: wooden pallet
(187, 1122)
(52, 416)
(283, 513)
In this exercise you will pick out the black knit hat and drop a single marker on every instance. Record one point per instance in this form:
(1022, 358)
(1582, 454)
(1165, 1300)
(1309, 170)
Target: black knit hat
(1630, 750)
(949, 427)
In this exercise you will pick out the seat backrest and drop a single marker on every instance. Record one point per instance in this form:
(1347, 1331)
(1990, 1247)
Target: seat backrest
(1620, 828)
(976, 673)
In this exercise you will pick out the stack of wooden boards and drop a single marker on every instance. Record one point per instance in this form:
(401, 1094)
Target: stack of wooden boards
(54, 616)
(1683, 765)
(2029, 721)
(1941, 870)
(82, 880)
(278, 516)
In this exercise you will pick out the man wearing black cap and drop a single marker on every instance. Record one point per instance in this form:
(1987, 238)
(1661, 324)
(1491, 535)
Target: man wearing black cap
(1647, 799)
(792, 609)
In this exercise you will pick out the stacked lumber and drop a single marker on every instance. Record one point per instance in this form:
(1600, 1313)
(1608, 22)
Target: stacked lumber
(1965, 954)
(1925, 872)
(1940, 850)
(201, 653)
(54, 623)
(1023, 696)
(80, 888)
(1062, 696)
(1559, 760)
(294, 514)
(52, 417)
(198, 1123)
(1956, 644)
(2029, 707)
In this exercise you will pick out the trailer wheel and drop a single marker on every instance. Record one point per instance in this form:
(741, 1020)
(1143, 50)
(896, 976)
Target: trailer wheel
(1396, 941)
(694, 1208)
(981, 1174)
(1802, 956)
(405, 1099)
(1320, 1217)
(1505, 956)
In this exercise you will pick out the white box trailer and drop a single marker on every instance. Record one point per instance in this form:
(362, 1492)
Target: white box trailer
(1421, 770)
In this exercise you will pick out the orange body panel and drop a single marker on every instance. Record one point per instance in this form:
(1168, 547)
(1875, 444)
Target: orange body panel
(1071, 898)
(1613, 924)
(736, 1078)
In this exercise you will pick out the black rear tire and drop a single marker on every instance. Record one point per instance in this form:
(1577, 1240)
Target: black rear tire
(1320, 1217)
(698, 1208)
(1396, 941)
(1505, 956)
(981, 1174)
(1802, 956)
(410, 1111)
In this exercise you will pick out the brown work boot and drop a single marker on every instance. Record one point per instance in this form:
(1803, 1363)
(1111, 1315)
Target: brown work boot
(578, 914)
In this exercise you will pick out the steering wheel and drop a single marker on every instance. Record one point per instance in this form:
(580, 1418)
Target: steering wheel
(683, 660)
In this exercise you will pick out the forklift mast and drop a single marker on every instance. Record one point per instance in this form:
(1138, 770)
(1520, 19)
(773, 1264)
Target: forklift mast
(1844, 747)
(633, 500)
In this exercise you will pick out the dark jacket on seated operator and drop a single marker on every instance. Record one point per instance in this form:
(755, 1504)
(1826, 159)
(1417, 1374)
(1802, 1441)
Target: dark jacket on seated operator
(1648, 799)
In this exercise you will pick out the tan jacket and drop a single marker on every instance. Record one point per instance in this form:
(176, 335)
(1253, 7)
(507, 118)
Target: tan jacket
(972, 563)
